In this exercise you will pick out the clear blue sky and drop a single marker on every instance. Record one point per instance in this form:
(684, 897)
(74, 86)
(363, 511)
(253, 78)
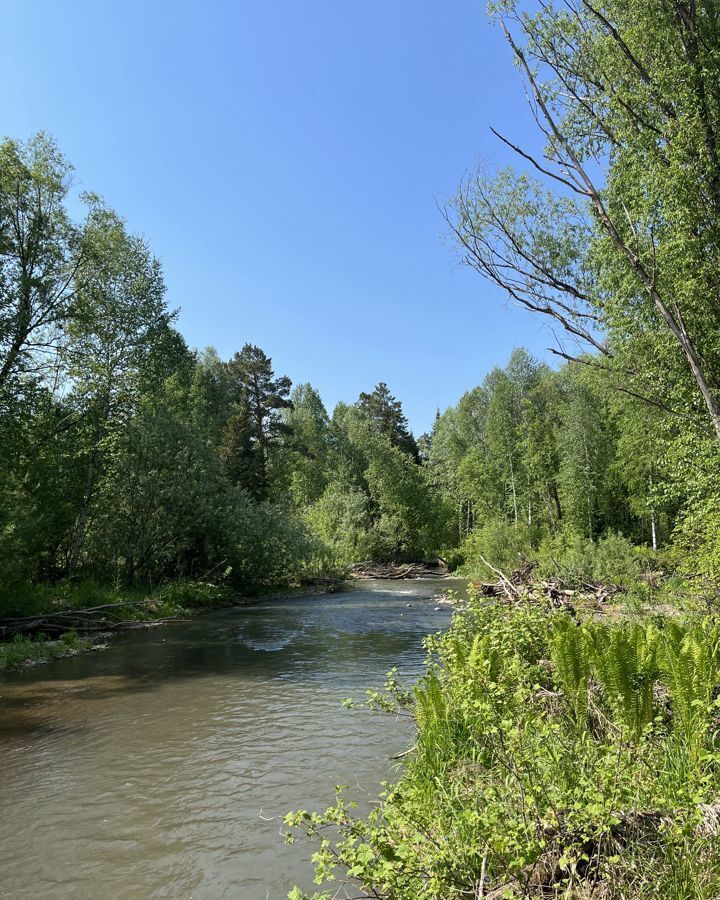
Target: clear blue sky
(284, 160)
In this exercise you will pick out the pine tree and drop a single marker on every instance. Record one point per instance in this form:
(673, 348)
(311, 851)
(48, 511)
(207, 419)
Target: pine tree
(264, 397)
(237, 451)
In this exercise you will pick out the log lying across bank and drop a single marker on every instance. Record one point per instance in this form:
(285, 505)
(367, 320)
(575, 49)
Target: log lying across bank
(434, 568)
(106, 617)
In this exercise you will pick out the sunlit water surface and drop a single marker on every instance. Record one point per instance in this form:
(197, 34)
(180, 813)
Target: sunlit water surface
(162, 767)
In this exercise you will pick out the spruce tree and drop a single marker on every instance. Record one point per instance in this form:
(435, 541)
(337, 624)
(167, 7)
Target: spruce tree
(386, 413)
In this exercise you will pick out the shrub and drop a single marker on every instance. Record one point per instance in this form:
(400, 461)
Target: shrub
(502, 545)
(577, 559)
(697, 541)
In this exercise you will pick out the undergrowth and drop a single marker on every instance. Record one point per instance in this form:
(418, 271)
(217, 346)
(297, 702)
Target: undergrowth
(555, 757)
(30, 651)
(167, 599)
(573, 559)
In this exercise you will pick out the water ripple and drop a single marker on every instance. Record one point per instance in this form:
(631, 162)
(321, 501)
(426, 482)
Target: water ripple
(162, 767)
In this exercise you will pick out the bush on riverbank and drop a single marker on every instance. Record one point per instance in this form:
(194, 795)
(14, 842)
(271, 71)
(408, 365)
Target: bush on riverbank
(139, 601)
(554, 757)
(565, 555)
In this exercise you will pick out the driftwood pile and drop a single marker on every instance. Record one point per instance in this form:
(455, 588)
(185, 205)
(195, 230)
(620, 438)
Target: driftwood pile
(521, 586)
(434, 568)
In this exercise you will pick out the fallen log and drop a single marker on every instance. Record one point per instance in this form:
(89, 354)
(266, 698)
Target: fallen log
(89, 619)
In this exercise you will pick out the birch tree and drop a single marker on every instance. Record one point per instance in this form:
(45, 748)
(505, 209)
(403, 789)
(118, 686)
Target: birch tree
(616, 234)
(40, 257)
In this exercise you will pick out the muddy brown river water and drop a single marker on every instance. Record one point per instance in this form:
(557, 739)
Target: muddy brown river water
(162, 767)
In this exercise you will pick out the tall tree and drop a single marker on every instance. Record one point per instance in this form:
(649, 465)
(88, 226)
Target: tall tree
(309, 445)
(265, 397)
(589, 492)
(120, 324)
(40, 258)
(620, 236)
(237, 450)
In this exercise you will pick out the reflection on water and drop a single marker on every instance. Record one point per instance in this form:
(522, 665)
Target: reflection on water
(162, 767)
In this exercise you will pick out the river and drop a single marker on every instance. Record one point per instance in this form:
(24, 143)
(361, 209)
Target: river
(162, 766)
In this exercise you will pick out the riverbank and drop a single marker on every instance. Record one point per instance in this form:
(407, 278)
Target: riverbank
(567, 745)
(82, 618)
(76, 617)
(24, 652)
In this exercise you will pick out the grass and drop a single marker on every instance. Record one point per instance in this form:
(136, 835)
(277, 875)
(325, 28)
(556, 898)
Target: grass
(26, 651)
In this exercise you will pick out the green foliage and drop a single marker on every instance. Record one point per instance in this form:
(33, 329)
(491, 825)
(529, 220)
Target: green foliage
(341, 519)
(576, 560)
(698, 539)
(546, 761)
(24, 651)
(185, 594)
(571, 651)
(625, 664)
(131, 460)
(161, 464)
(39, 252)
(258, 424)
(308, 450)
(378, 502)
(385, 413)
(497, 545)
(690, 662)
(612, 233)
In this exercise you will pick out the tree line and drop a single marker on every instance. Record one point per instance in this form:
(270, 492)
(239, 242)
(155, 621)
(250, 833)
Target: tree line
(130, 458)
(610, 231)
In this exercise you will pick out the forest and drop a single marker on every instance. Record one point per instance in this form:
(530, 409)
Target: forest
(132, 460)
(567, 737)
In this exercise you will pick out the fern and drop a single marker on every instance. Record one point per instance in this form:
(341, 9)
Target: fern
(569, 652)
(625, 664)
(689, 660)
(431, 708)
